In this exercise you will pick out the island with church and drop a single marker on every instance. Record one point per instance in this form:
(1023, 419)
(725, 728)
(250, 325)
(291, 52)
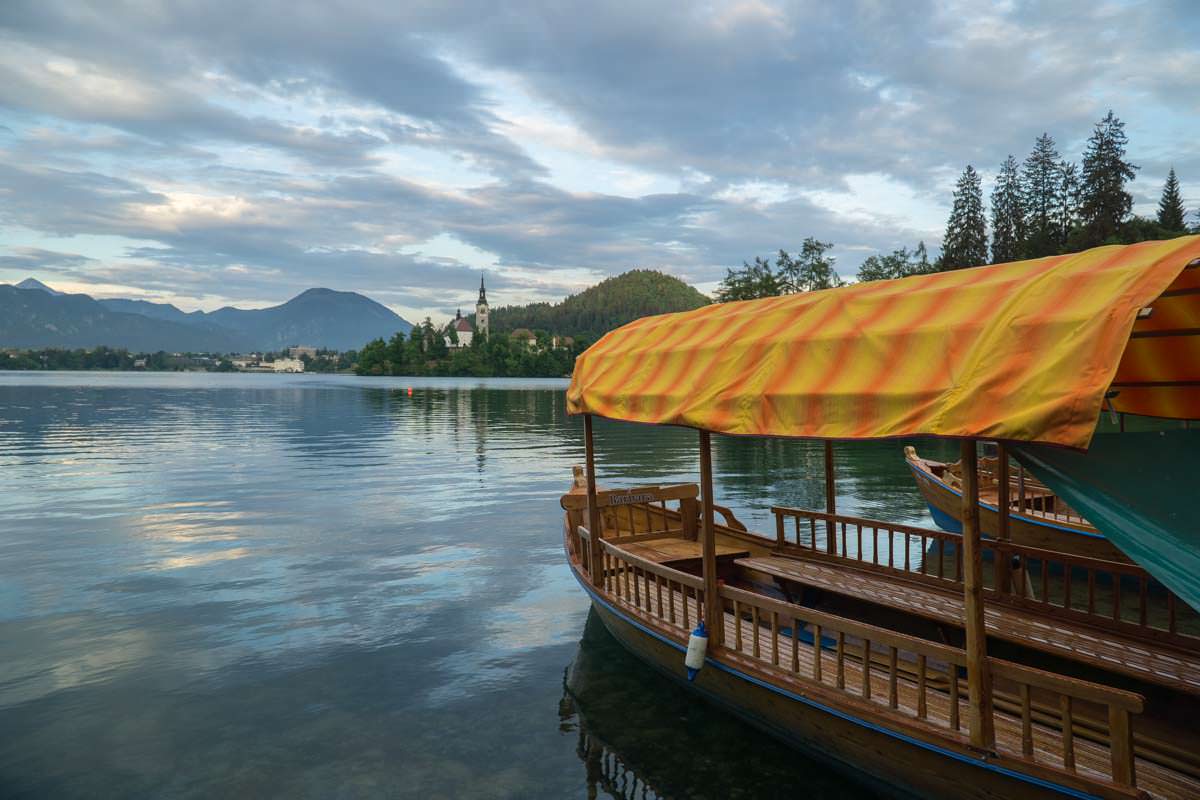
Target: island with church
(534, 340)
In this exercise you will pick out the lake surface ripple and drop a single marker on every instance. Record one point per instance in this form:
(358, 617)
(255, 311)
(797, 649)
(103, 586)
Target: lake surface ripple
(323, 586)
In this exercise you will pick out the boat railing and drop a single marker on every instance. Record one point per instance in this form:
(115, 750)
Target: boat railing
(919, 682)
(1108, 594)
(645, 511)
(924, 553)
(1118, 704)
(670, 596)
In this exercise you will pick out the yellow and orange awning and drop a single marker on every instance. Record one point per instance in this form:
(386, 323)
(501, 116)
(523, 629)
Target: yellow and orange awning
(1024, 351)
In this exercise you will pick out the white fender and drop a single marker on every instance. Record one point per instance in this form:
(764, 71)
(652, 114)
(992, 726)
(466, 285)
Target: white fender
(697, 646)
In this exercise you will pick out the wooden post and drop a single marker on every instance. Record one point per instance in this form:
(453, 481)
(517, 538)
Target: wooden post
(595, 568)
(1121, 749)
(1000, 565)
(830, 500)
(714, 614)
(979, 681)
(1020, 488)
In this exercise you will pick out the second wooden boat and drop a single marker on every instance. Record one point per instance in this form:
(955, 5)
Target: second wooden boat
(1036, 516)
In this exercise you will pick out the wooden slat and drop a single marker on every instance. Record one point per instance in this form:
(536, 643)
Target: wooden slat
(817, 653)
(1026, 723)
(1068, 732)
(893, 687)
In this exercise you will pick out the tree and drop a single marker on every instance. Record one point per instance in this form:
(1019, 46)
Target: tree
(810, 271)
(1066, 202)
(1040, 179)
(1106, 204)
(1008, 214)
(899, 264)
(750, 282)
(965, 243)
(1171, 212)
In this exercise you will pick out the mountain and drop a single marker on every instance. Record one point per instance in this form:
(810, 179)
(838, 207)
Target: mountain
(156, 310)
(34, 283)
(318, 317)
(607, 305)
(37, 316)
(33, 318)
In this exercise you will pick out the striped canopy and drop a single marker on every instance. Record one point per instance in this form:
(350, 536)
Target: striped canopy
(1025, 351)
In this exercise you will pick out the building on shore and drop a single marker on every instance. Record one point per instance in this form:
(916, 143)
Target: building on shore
(299, 351)
(524, 337)
(286, 365)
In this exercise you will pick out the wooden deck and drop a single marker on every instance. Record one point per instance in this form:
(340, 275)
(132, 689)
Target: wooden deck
(673, 552)
(753, 644)
(1159, 665)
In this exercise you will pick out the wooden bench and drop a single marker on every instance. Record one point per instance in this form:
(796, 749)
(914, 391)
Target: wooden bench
(676, 553)
(1158, 664)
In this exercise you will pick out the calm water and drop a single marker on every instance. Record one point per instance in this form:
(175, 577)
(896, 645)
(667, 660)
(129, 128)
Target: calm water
(254, 585)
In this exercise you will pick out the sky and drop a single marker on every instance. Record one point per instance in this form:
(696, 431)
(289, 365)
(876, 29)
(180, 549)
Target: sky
(212, 153)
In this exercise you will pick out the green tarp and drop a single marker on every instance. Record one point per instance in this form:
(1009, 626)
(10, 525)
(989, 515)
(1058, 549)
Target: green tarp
(1142, 491)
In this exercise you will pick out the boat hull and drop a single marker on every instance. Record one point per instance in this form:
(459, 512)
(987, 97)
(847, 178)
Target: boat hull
(891, 762)
(945, 505)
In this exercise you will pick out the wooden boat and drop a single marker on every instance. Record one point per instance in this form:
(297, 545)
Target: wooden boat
(1036, 515)
(1042, 674)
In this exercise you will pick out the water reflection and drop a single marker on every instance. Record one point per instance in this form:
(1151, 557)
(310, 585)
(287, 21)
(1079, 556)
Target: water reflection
(638, 735)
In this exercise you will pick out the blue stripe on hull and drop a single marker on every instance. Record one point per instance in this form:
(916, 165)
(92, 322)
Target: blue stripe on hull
(944, 520)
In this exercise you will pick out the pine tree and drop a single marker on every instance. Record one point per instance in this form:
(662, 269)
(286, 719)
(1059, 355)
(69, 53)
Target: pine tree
(1040, 183)
(814, 269)
(965, 243)
(1171, 212)
(1008, 214)
(1106, 204)
(1066, 202)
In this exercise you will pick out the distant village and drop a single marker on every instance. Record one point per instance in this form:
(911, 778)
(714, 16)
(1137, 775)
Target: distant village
(294, 359)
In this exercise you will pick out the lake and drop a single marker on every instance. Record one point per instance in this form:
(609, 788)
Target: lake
(328, 586)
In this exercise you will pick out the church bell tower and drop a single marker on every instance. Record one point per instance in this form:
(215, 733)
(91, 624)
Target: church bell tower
(481, 312)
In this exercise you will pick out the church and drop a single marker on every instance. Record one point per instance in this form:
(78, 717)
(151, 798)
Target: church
(462, 328)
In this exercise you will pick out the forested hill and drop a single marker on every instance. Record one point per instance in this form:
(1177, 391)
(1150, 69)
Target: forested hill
(605, 306)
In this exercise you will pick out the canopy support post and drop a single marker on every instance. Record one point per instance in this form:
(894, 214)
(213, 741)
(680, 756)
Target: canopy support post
(979, 679)
(594, 554)
(1001, 564)
(830, 500)
(714, 614)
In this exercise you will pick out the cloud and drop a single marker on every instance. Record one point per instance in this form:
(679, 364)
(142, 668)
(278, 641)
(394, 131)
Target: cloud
(400, 148)
(35, 258)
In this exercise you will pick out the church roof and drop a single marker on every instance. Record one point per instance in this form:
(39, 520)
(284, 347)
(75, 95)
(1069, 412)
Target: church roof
(462, 326)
